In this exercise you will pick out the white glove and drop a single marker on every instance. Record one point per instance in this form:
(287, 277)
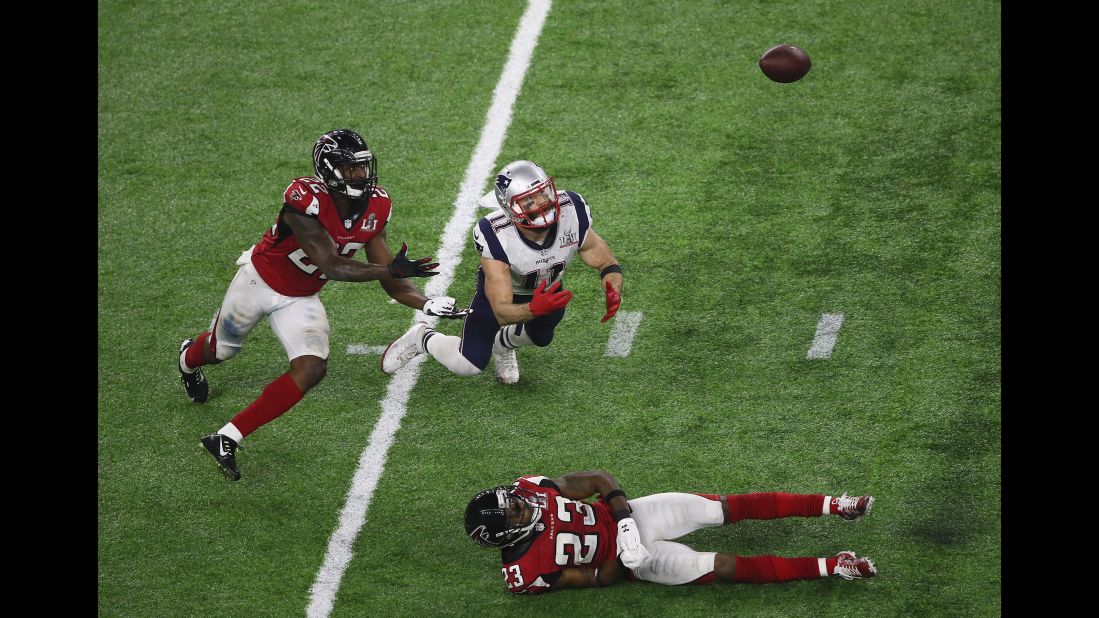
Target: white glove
(443, 307)
(630, 549)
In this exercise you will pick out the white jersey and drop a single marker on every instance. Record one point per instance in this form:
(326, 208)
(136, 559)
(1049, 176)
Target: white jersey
(496, 237)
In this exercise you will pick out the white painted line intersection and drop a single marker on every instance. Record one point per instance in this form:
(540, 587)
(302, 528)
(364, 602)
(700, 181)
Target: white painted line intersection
(366, 349)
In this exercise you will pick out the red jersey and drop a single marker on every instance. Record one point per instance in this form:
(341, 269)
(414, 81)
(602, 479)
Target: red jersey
(570, 533)
(281, 261)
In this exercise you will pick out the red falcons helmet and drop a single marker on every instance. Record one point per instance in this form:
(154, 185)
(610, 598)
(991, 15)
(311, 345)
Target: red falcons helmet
(490, 516)
(336, 154)
(527, 194)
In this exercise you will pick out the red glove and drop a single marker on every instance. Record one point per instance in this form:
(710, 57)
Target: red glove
(614, 301)
(547, 301)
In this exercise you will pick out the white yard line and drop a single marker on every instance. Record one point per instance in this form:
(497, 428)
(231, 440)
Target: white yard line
(366, 349)
(625, 327)
(825, 338)
(322, 595)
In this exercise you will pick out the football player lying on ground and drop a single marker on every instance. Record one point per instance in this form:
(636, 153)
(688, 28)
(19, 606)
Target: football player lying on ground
(323, 221)
(550, 540)
(524, 249)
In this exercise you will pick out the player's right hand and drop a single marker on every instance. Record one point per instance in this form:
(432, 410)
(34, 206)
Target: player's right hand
(402, 267)
(547, 301)
(630, 550)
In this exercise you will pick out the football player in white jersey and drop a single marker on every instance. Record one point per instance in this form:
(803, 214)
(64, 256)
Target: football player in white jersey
(524, 248)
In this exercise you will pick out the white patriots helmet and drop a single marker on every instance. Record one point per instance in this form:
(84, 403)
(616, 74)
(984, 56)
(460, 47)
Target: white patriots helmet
(527, 194)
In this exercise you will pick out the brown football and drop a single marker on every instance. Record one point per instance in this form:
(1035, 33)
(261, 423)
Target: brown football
(785, 63)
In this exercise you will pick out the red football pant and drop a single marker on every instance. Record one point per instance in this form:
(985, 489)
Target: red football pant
(770, 569)
(193, 355)
(771, 505)
(277, 398)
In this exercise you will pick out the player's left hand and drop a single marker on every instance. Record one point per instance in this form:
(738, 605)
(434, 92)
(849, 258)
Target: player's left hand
(630, 549)
(443, 307)
(402, 267)
(614, 301)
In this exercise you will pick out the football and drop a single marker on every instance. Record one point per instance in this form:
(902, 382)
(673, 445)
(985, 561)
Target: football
(785, 63)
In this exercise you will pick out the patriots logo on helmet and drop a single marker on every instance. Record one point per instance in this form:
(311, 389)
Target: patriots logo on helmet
(503, 182)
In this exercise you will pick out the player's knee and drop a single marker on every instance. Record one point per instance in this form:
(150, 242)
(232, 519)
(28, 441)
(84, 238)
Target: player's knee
(541, 339)
(310, 369)
(463, 366)
(724, 567)
(467, 369)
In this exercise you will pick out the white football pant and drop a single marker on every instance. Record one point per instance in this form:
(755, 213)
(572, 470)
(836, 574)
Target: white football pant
(666, 516)
(299, 322)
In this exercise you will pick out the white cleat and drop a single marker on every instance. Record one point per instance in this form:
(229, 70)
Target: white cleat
(404, 348)
(507, 366)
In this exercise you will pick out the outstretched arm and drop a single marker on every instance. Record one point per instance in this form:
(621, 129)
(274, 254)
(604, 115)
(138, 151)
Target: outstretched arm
(403, 290)
(498, 292)
(321, 250)
(597, 254)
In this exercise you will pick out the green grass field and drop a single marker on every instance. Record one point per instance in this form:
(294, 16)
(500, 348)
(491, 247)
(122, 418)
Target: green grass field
(740, 209)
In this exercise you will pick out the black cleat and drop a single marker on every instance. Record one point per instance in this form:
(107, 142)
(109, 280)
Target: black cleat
(224, 449)
(198, 389)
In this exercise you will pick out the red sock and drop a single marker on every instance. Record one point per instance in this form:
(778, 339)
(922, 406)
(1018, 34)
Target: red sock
(277, 398)
(768, 569)
(193, 355)
(771, 505)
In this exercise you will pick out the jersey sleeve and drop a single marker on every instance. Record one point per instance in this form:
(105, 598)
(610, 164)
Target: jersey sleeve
(583, 215)
(301, 197)
(381, 205)
(536, 481)
(487, 243)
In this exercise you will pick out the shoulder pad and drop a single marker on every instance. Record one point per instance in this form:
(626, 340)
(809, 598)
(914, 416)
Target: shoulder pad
(302, 195)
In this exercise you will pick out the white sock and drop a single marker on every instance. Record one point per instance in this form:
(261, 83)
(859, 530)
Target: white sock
(445, 349)
(507, 338)
(822, 564)
(230, 431)
(826, 510)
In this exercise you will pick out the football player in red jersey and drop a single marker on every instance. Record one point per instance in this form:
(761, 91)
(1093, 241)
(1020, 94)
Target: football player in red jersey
(550, 539)
(324, 220)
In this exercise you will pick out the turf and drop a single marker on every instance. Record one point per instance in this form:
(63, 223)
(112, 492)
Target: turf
(740, 209)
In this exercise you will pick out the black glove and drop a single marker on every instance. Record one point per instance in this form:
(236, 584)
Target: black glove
(402, 267)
